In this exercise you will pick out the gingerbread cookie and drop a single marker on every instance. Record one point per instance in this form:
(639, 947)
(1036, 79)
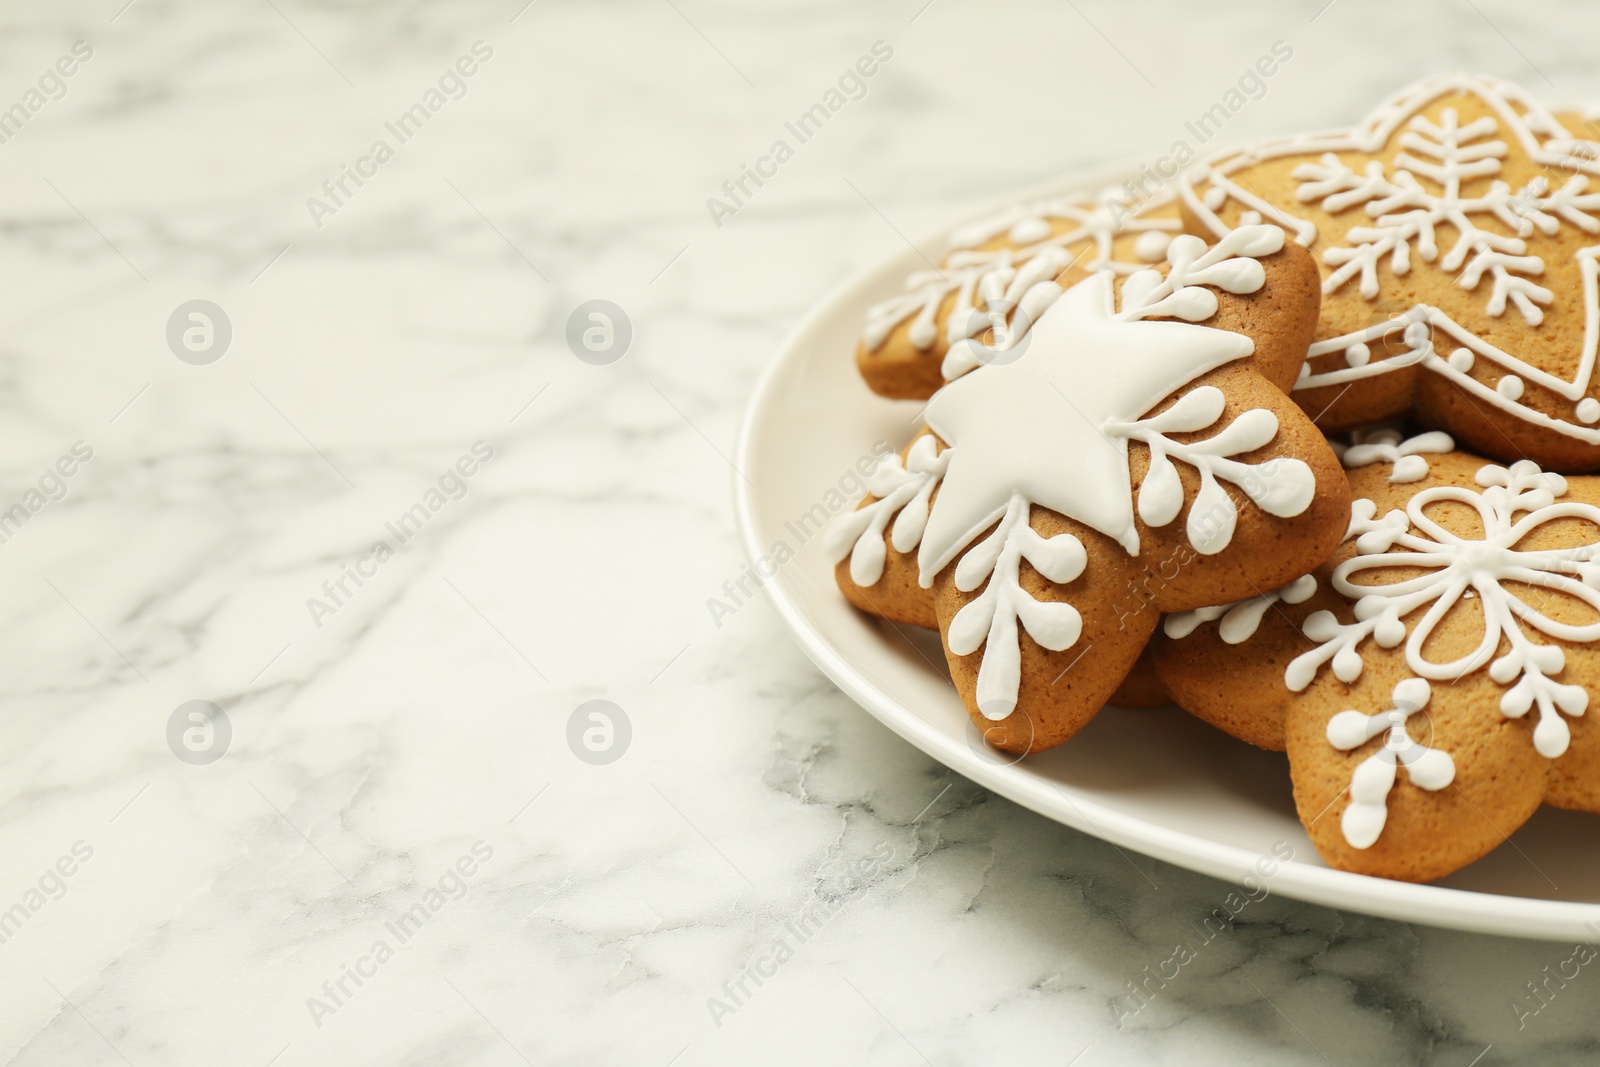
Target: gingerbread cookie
(1000, 277)
(1429, 681)
(1142, 687)
(1458, 232)
(1133, 452)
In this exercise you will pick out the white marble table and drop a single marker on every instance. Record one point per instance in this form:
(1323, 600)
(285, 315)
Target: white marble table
(398, 770)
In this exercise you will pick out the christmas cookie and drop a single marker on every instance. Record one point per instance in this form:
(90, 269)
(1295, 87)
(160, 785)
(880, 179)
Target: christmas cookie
(1133, 452)
(1429, 681)
(1002, 274)
(1458, 233)
(1142, 688)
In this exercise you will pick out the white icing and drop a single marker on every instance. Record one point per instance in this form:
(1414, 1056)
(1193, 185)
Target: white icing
(992, 287)
(1511, 506)
(1151, 246)
(1284, 491)
(1445, 174)
(986, 295)
(1054, 424)
(1101, 218)
(1050, 426)
(990, 619)
(1370, 783)
(1406, 212)
(1242, 618)
(1407, 457)
(1012, 300)
(902, 491)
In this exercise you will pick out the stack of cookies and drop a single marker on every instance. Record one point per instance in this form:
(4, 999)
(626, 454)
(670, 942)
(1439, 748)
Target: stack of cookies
(1304, 444)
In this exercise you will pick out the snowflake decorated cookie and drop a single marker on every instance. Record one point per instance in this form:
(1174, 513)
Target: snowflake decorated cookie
(1137, 454)
(1458, 233)
(1000, 277)
(1431, 681)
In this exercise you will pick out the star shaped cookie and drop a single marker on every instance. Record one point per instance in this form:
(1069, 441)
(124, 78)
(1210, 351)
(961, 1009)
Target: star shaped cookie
(1132, 452)
(1458, 233)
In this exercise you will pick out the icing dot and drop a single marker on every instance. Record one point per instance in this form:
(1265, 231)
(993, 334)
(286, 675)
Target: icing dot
(1152, 245)
(1250, 218)
(1357, 354)
(1407, 469)
(1461, 360)
(1028, 231)
(1510, 387)
(1215, 197)
(1589, 409)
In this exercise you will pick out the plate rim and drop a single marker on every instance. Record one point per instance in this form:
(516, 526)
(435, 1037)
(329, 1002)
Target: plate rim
(1473, 911)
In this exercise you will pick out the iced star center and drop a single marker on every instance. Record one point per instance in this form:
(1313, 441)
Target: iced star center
(1044, 425)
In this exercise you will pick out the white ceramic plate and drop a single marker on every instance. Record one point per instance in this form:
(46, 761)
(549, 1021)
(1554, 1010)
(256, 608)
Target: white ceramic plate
(1158, 782)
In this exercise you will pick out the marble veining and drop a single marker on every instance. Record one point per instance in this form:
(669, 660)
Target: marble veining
(765, 875)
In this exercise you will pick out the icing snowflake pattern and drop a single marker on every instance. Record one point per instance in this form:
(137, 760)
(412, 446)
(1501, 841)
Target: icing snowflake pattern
(1512, 505)
(1373, 778)
(1441, 201)
(902, 492)
(1006, 290)
(990, 620)
(1051, 429)
(1406, 212)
